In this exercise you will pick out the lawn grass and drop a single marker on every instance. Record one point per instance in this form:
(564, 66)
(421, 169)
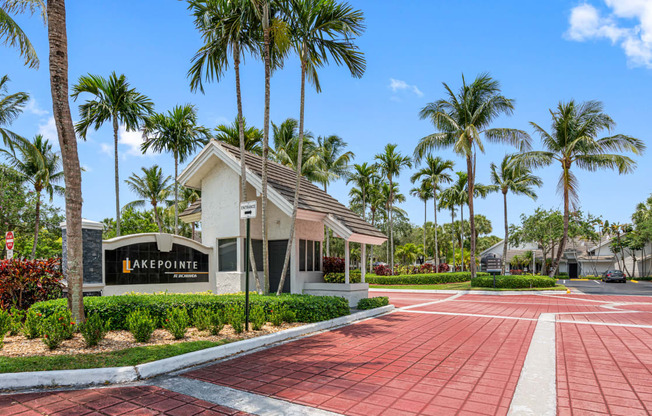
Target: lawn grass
(457, 286)
(126, 357)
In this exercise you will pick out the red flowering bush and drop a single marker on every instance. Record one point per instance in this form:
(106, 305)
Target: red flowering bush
(383, 270)
(25, 282)
(333, 265)
(443, 268)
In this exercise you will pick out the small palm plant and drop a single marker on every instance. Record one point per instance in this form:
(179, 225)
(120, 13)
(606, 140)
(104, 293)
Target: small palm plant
(153, 187)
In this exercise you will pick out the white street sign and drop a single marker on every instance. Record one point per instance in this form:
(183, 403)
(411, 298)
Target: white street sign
(10, 254)
(248, 209)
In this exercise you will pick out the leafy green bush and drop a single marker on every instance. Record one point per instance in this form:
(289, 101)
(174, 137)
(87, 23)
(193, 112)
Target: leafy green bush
(201, 318)
(53, 332)
(24, 282)
(117, 308)
(94, 330)
(276, 316)
(5, 325)
(236, 319)
(421, 279)
(644, 278)
(288, 316)
(68, 326)
(177, 322)
(514, 282)
(216, 322)
(141, 325)
(355, 276)
(257, 317)
(32, 326)
(17, 319)
(371, 303)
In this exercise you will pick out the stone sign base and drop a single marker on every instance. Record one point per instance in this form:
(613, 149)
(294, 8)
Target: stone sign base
(352, 292)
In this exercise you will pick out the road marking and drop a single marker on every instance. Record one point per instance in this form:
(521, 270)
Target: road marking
(467, 314)
(431, 303)
(595, 281)
(606, 324)
(634, 281)
(536, 390)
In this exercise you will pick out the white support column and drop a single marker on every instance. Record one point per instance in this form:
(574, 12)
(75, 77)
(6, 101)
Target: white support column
(363, 256)
(347, 257)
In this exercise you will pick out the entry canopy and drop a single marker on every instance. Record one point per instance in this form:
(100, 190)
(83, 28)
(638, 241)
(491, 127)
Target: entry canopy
(315, 204)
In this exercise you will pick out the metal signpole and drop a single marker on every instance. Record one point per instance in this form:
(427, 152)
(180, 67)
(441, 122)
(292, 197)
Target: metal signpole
(248, 211)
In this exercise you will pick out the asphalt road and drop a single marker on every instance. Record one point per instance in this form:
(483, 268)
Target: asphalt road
(597, 287)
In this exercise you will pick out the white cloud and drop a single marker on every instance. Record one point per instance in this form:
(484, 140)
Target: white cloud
(628, 23)
(397, 85)
(33, 107)
(48, 129)
(106, 149)
(133, 140)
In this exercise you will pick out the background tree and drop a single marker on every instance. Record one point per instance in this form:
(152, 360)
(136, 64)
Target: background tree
(573, 141)
(424, 193)
(153, 187)
(176, 132)
(461, 119)
(286, 149)
(11, 34)
(230, 134)
(517, 179)
(11, 106)
(114, 101)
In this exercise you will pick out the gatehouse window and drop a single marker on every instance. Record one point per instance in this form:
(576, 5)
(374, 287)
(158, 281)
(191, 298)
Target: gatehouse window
(227, 254)
(309, 255)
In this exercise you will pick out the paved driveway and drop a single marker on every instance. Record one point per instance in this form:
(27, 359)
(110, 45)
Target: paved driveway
(597, 287)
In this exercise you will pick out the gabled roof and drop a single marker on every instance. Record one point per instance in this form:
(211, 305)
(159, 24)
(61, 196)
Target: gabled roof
(314, 203)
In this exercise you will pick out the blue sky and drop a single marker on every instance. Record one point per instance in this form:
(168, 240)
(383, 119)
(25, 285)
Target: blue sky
(542, 52)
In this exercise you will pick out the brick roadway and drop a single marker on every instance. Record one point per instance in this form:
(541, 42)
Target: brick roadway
(136, 401)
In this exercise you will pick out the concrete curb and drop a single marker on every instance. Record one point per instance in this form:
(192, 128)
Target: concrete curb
(13, 381)
(475, 292)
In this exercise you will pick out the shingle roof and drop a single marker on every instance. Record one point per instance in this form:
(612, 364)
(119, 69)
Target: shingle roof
(311, 198)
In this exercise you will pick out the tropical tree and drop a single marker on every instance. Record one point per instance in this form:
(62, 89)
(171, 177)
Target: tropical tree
(11, 106)
(40, 166)
(176, 132)
(286, 149)
(573, 140)
(517, 179)
(461, 120)
(253, 137)
(435, 172)
(361, 178)
(11, 34)
(319, 29)
(114, 101)
(424, 193)
(153, 187)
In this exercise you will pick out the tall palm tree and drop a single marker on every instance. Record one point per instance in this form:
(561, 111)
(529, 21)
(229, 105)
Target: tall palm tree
(319, 29)
(40, 166)
(286, 149)
(151, 186)
(361, 178)
(391, 163)
(114, 101)
(424, 192)
(333, 164)
(253, 137)
(461, 119)
(447, 200)
(435, 172)
(573, 140)
(390, 196)
(176, 132)
(12, 34)
(11, 106)
(58, 63)
(517, 179)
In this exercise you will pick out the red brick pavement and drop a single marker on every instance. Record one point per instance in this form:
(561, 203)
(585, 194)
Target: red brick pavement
(132, 401)
(402, 299)
(636, 318)
(403, 363)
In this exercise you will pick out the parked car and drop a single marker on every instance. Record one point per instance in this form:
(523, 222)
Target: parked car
(614, 276)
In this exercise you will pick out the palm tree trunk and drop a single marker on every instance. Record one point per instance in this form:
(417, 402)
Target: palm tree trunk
(176, 193)
(462, 237)
(391, 224)
(453, 234)
(37, 221)
(328, 233)
(425, 214)
(471, 179)
(58, 42)
(434, 200)
(295, 204)
(268, 65)
(371, 247)
(117, 178)
(562, 244)
(157, 216)
(506, 234)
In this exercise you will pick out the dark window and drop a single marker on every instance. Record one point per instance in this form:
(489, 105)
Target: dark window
(302, 255)
(311, 252)
(227, 250)
(317, 256)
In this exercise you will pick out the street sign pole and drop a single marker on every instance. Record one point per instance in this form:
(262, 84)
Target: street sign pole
(247, 277)
(9, 244)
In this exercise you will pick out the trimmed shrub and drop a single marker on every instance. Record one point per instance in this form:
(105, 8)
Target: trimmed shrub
(421, 279)
(333, 265)
(141, 325)
(307, 308)
(68, 326)
(276, 316)
(201, 318)
(257, 317)
(217, 321)
(5, 325)
(25, 282)
(32, 326)
(94, 330)
(643, 278)
(382, 270)
(177, 322)
(17, 319)
(371, 303)
(355, 276)
(236, 319)
(288, 316)
(52, 332)
(514, 282)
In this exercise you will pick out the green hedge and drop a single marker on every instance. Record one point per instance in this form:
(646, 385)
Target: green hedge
(514, 282)
(355, 276)
(421, 279)
(371, 303)
(643, 278)
(116, 308)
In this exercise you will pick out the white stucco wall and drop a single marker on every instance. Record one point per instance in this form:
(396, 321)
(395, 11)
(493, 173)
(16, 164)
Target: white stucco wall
(220, 204)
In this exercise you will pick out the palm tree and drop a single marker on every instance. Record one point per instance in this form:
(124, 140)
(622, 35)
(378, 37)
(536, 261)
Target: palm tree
(286, 150)
(424, 192)
(319, 29)
(58, 60)
(40, 166)
(231, 134)
(461, 119)
(11, 105)
(114, 101)
(361, 178)
(151, 186)
(333, 163)
(573, 140)
(12, 34)
(515, 178)
(447, 201)
(176, 132)
(390, 163)
(390, 196)
(434, 172)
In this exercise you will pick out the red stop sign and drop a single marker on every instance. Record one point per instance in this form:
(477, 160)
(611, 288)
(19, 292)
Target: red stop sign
(9, 240)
